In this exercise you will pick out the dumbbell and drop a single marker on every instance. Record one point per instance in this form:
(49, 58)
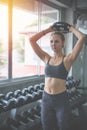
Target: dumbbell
(61, 26)
(21, 119)
(42, 86)
(37, 110)
(34, 113)
(7, 104)
(1, 107)
(22, 98)
(25, 91)
(34, 122)
(38, 90)
(31, 113)
(9, 95)
(28, 115)
(28, 96)
(19, 97)
(69, 78)
(69, 84)
(74, 95)
(78, 82)
(14, 124)
(31, 92)
(17, 93)
(30, 89)
(35, 94)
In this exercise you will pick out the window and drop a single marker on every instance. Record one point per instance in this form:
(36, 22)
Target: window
(3, 42)
(24, 61)
(25, 22)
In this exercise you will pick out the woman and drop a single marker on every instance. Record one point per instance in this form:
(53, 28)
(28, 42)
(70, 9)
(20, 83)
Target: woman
(55, 105)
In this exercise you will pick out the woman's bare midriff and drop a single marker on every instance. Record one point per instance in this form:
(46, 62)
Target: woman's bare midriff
(54, 85)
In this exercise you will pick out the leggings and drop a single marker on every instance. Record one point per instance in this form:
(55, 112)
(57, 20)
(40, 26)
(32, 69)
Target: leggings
(55, 111)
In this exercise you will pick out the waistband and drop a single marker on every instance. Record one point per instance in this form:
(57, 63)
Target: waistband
(54, 95)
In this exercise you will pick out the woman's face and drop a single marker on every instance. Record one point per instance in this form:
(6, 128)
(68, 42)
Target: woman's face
(56, 42)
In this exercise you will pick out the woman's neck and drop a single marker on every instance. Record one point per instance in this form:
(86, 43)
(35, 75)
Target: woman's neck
(59, 54)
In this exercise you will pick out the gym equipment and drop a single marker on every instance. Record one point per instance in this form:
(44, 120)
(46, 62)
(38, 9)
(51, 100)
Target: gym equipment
(42, 86)
(37, 110)
(30, 118)
(1, 107)
(17, 93)
(61, 27)
(38, 90)
(30, 89)
(31, 114)
(22, 98)
(13, 124)
(7, 104)
(9, 95)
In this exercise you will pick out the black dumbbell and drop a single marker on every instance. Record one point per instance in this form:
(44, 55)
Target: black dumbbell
(25, 91)
(29, 115)
(14, 124)
(29, 97)
(35, 96)
(7, 104)
(21, 119)
(21, 100)
(34, 122)
(42, 86)
(32, 114)
(69, 78)
(69, 84)
(29, 94)
(26, 115)
(30, 89)
(38, 90)
(36, 87)
(9, 95)
(1, 107)
(37, 109)
(78, 82)
(17, 93)
(35, 116)
(34, 119)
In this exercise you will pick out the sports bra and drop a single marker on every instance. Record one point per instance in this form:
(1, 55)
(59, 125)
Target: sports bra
(58, 71)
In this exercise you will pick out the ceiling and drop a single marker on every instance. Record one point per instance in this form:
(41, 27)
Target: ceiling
(76, 4)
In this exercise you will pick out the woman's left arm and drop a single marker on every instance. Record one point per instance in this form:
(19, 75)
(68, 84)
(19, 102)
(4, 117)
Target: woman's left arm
(79, 44)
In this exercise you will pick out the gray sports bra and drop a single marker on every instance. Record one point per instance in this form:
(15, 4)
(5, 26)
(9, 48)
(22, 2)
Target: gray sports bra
(58, 71)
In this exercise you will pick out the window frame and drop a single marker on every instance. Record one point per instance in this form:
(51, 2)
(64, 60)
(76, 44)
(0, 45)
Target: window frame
(9, 79)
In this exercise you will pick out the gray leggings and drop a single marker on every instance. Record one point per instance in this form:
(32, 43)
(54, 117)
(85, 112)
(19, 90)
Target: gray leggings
(55, 111)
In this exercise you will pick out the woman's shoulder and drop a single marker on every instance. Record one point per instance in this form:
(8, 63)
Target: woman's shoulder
(47, 58)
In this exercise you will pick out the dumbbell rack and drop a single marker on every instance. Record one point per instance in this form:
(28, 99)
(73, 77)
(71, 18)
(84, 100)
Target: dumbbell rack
(25, 99)
(77, 101)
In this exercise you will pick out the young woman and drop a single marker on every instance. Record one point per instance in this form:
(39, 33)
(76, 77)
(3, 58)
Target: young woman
(55, 105)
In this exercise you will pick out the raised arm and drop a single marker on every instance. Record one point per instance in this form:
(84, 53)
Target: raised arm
(79, 44)
(33, 41)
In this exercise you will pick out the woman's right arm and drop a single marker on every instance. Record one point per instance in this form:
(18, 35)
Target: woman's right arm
(33, 41)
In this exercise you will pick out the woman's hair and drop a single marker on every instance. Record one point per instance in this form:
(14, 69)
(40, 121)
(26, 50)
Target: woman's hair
(59, 34)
